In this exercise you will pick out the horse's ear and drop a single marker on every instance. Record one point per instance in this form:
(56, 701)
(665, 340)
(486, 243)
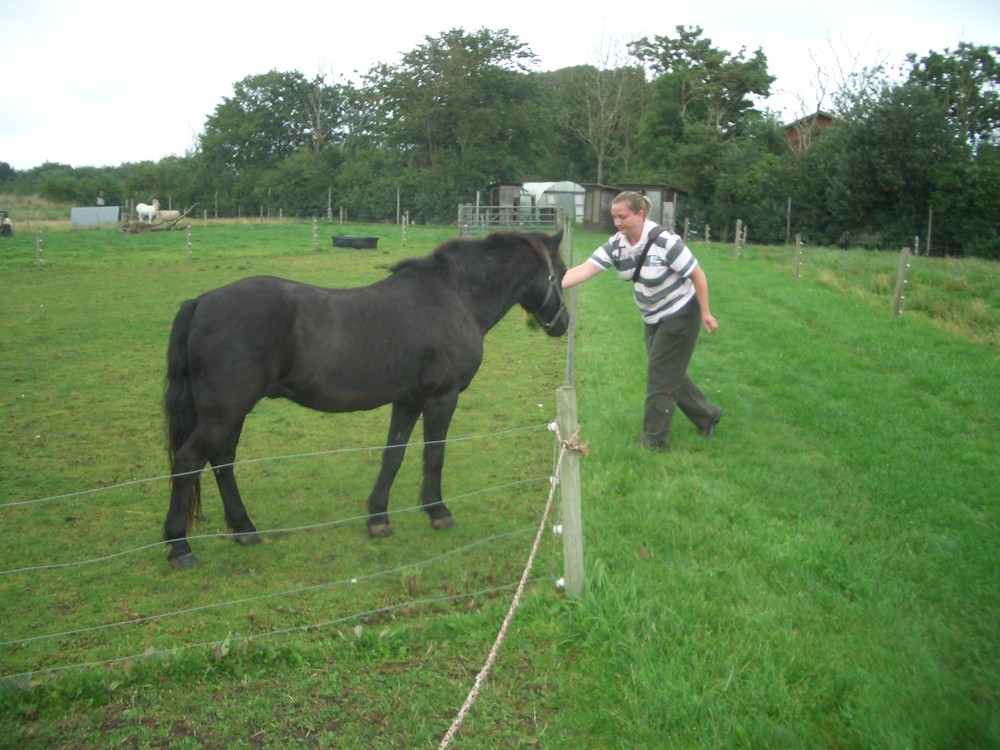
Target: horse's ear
(557, 240)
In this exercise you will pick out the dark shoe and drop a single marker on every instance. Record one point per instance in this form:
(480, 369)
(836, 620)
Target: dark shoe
(649, 445)
(710, 430)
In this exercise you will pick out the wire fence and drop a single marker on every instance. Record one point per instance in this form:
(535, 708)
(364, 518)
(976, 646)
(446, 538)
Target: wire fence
(98, 655)
(40, 634)
(564, 446)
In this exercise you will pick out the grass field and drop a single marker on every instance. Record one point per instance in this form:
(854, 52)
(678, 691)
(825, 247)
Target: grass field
(822, 573)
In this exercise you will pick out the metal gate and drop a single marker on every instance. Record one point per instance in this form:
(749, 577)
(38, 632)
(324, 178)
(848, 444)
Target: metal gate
(474, 219)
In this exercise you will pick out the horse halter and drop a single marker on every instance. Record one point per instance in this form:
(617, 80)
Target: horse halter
(555, 287)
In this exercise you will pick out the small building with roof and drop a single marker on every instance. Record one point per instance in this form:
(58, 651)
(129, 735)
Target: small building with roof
(803, 131)
(565, 194)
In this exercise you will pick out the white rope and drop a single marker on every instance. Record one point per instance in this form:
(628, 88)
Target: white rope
(481, 677)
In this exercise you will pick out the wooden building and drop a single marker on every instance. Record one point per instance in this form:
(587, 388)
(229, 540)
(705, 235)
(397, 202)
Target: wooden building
(803, 131)
(664, 199)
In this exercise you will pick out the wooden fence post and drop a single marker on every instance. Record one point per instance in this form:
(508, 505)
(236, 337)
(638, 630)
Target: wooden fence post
(788, 221)
(897, 303)
(572, 516)
(798, 256)
(930, 223)
(568, 240)
(739, 237)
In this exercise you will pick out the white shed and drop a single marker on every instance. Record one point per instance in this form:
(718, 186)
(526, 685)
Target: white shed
(92, 216)
(567, 194)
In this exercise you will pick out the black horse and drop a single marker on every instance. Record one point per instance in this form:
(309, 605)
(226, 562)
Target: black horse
(413, 340)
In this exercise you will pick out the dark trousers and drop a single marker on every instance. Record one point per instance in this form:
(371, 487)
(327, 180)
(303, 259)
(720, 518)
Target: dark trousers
(670, 344)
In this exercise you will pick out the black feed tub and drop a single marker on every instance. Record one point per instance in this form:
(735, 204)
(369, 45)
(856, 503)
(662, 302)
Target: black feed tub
(358, 243)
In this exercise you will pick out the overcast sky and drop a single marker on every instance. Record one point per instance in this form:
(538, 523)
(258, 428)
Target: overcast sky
(95, 83)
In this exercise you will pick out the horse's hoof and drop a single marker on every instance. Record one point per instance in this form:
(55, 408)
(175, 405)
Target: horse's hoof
(183, 561)
(247, 539)
(380, 530)
(443, 523)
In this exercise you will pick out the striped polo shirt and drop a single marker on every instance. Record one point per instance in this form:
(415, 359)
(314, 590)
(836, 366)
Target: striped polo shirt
(664, 286)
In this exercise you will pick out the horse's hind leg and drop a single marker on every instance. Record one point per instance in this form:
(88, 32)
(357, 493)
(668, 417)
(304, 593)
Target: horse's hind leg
(175, 527)
(218, 442)
(185, 499)
(437, 419)
(244, 532)
(404, 417)
(237, 519)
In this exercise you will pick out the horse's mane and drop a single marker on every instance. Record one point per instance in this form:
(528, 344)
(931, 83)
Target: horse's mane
(456, 246)
(452, 248)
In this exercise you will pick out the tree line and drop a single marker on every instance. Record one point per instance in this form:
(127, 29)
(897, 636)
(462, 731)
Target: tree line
(464, 110)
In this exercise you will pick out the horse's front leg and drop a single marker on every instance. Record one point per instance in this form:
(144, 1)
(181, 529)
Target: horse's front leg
(404, 417)
(437, 418)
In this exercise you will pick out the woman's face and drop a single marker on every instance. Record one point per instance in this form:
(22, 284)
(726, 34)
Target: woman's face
(627, 221)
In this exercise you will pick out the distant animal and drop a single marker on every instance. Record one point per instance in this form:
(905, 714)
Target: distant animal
(147, 212)
(413, 339)
(166, 215)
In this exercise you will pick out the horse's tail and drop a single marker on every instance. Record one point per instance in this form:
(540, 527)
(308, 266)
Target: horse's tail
(178, 398)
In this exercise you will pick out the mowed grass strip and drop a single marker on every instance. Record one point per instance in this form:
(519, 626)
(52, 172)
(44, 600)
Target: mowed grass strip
(822, 573)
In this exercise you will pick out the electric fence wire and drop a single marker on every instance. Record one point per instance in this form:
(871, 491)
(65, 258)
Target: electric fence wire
(24, 679)
(287, 530)
(264, 459)
(34, 674)
(271, 595)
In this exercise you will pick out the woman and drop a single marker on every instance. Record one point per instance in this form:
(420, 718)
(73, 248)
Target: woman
(672, 294)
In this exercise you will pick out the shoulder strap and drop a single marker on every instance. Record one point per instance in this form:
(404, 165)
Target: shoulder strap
(653, 234)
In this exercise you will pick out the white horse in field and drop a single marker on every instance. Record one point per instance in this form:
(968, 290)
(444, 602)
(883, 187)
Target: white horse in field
(147, 212)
